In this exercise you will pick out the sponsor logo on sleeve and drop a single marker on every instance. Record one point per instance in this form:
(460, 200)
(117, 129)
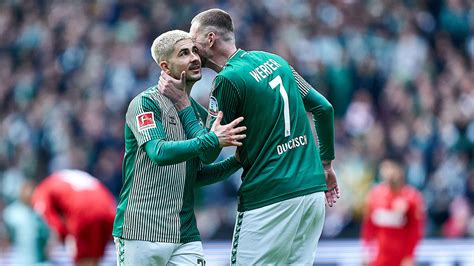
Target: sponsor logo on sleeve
(213, 106)
(145, 121)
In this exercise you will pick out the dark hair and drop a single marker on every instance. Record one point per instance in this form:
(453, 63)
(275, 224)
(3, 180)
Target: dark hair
(215, 17)
(394, 158)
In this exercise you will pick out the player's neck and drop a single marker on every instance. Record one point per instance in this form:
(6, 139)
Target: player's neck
(396, 187)
(220, 58)
(189, 86)
(210, 63)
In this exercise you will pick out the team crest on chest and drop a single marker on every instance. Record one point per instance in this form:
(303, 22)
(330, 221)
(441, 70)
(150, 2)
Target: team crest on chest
(213, 106)
(145, 121)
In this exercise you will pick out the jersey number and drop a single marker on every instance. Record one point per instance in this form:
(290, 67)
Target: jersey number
(286, 107)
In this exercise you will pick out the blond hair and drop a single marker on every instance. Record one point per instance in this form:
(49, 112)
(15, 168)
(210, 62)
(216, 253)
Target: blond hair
(163, 45)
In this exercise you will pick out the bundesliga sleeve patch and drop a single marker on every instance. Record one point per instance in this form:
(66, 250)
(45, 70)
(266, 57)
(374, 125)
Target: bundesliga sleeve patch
(146, 121)
(213, 106)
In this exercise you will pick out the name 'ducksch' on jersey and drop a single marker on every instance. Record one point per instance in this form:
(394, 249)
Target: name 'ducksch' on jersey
(292, 144)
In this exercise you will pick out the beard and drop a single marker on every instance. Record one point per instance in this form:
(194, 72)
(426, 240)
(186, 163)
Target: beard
(193, 78)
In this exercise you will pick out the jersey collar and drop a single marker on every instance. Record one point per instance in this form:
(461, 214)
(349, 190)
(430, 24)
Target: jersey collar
(238, 53)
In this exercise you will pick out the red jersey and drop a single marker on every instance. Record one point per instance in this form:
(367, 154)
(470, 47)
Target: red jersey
(393, 223)
(69, 198)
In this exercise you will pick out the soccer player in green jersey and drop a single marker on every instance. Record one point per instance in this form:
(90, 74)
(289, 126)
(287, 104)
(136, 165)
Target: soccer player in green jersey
(164, 147)
(286, 175)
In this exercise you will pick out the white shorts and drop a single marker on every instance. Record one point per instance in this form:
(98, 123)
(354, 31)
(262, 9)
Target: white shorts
(285, 232)
(136, 252)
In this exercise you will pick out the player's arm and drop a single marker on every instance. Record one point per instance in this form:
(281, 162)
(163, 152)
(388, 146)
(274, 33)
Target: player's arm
(144, 120)
(193, 128)
(415, 224)
(323, 117)
(368, 230)
(165, 152)
(44, 204)
(216, 172)
(175, 90)
(368, 227)
(190, 123)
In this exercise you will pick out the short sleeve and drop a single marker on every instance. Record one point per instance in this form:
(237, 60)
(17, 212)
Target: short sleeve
(144, 119)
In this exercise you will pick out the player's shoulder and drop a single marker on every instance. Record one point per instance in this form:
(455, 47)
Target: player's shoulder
(229, 77)
(144, 98)
(412, 192)
(146, 94)
(263, 55)
(379, 189)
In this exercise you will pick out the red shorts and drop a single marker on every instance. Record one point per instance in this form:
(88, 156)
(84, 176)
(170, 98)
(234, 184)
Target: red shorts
(92, 237)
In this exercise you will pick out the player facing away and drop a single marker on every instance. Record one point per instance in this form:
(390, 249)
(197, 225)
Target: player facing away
(281, 199)
(393, 219)
(164, 148)
(80, 210)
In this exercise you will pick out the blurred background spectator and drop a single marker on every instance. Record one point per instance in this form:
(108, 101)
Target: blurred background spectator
(28, 233)
(399, 73)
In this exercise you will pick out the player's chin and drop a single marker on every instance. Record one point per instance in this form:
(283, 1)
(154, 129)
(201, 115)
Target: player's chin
(194, 76)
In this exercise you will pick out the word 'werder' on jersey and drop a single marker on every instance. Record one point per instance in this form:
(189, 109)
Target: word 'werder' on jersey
(264, 70)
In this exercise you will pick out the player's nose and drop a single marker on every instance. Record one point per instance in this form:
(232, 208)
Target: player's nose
(195, 58)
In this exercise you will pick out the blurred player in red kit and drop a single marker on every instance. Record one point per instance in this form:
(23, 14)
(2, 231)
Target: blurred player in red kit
(393, 220)
(77, 206)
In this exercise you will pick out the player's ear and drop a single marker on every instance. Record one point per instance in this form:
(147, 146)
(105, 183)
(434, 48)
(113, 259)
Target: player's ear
(211, 38)
(165, 67)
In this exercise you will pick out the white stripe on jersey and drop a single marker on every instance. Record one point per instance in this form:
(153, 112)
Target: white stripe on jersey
(156, 196)
(303, 86)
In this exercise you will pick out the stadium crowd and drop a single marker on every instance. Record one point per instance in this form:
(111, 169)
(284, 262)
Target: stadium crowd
(400, 75)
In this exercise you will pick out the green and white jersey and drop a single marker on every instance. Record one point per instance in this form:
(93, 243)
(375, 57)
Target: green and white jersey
(279, 154)
(156, 202)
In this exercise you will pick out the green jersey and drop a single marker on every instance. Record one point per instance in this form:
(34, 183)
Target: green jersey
(279, 154)
(156, 201)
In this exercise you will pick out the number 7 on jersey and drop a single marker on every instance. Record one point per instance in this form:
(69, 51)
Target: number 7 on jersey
(286, 108)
